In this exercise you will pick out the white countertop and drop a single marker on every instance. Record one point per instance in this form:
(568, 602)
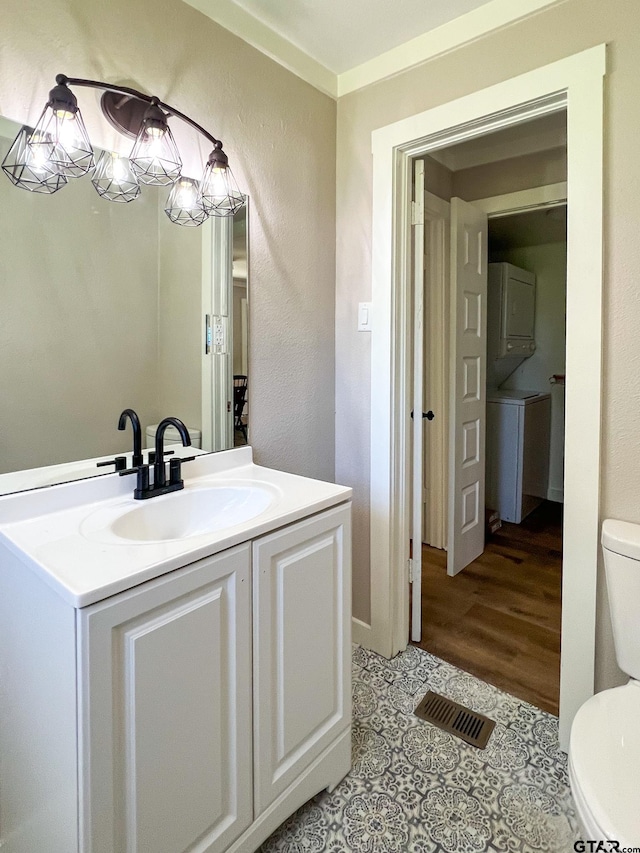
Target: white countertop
(44, 528)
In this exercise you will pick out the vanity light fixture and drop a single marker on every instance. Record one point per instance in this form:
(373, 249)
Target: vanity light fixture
(42, 159)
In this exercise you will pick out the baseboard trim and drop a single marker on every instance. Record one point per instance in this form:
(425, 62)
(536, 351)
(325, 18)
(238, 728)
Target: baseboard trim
(361, 633)
(556, 495)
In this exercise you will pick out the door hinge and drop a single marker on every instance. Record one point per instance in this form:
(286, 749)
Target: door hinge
(410, 565)
(417, 212)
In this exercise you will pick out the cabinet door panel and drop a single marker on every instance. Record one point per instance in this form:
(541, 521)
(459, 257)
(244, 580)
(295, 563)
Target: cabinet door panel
(171, 748)
(301, 647)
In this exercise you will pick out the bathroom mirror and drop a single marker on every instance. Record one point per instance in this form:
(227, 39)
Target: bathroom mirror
(102, 308)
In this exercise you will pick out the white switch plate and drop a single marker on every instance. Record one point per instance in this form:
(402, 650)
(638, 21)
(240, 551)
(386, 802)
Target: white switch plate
(364, 317)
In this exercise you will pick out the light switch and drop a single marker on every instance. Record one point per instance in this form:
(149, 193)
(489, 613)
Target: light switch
(364, 317)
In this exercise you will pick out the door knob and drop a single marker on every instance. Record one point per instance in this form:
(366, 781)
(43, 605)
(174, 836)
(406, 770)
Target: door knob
(428, 415)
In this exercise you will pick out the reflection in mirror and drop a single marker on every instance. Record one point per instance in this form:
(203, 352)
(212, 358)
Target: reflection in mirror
(102, 311)
(240, 330)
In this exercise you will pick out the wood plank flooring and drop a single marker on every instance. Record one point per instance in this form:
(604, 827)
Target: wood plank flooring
(499, 619)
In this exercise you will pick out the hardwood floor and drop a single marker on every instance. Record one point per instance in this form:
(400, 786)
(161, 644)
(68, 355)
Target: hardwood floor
(499, 619)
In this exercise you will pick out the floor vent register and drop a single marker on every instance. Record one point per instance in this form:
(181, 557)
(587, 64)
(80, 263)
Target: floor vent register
(450, 716)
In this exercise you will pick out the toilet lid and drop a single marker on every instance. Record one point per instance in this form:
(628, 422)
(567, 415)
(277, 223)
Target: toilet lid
(605, 754)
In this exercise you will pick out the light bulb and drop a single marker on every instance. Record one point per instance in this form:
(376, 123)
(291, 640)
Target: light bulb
(120, 171)
(37, 158)
(68, 132)
(186, 195)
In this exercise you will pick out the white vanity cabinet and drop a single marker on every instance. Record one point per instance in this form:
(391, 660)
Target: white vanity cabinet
(302, 656)
(165, 712)
(192, 713)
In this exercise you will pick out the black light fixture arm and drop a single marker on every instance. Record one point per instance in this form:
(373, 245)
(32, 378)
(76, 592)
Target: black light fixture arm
(63, 80)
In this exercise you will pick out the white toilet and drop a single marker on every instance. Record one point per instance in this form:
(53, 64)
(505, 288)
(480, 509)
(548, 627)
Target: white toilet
(604, 749)
(172, 436)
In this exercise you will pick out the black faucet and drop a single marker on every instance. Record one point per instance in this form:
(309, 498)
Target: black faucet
(160, 486)
(137, 435)
(159, 475)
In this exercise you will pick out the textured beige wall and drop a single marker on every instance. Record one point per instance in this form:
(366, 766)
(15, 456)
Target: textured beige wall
(511, 175)
(564, 29)
(279, 133)
(504, 176)
(438, 179)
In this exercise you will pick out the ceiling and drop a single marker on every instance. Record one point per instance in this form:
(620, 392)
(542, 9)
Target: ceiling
(341, 34)
(341, 45)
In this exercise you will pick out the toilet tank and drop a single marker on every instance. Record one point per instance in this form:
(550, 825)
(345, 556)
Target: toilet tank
(621, 547)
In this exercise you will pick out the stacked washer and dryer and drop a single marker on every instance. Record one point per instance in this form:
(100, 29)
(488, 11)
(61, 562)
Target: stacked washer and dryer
(518, 421)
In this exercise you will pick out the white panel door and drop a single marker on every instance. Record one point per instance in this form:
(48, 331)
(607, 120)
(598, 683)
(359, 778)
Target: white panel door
(468, 356)
(301, 647)
(165, 723)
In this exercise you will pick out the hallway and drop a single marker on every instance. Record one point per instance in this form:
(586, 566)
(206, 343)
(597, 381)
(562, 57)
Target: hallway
(499, 619)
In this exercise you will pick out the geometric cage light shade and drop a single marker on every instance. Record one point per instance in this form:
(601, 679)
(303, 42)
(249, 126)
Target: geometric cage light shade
(28, 168)
(114, 179)
(219, 192)
(183, 205)
(155, 157)
(61, 137)
(43, 159)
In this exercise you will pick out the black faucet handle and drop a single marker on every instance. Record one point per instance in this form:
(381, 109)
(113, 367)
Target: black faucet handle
(120, 462)
(175, 471)
(152, 455)
(142, 484)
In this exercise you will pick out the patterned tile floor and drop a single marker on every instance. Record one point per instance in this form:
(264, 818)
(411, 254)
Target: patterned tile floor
(416, 788)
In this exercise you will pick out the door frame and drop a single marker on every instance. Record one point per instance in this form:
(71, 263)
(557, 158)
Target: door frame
(436, 461)
(437, 217)
(575, 84)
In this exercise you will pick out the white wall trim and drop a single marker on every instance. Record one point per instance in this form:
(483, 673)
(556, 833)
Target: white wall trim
(360, 633)
(492, 15)
(259, 35)
(466, 28)
(576, 83)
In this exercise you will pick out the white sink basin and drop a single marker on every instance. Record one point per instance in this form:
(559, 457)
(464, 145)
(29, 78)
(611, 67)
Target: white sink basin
(193, 511)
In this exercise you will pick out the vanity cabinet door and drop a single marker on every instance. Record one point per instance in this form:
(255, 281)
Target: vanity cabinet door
(165, 712)
(301, 647)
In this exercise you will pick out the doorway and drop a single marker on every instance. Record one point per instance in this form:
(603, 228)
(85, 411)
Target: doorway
(500, 617)
(575, 82)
